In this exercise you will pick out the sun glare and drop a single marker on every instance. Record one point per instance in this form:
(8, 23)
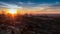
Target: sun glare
(12, 11)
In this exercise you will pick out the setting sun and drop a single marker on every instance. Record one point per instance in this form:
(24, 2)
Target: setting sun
(12, 11)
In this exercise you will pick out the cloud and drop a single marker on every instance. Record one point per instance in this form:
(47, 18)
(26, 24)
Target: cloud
(17, 5)
(46, 7)
(33, 6)
(25, 4)
(7, 5)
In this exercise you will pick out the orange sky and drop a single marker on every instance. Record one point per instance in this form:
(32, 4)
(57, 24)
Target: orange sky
(35, 10)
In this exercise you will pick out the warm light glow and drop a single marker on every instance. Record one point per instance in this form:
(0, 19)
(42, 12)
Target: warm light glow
(12, 11)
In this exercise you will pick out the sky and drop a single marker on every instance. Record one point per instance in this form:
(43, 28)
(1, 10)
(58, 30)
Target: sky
(33, 5)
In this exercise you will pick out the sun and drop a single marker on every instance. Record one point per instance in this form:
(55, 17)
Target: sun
(12, 11)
